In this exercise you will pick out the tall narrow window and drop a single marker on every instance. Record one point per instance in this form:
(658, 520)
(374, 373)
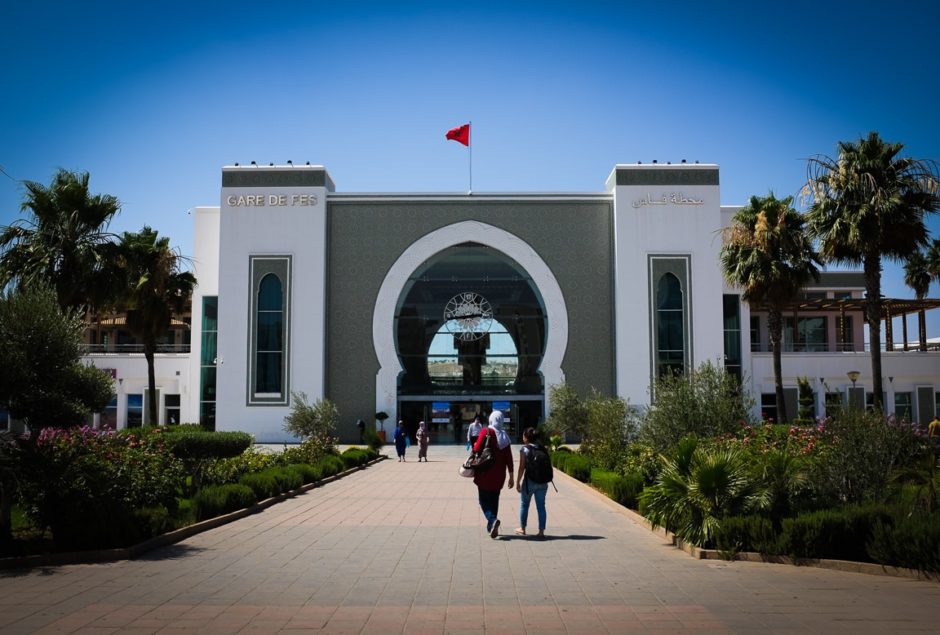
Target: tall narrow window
(670, 335)
(732, 320)
(755, 334)
(207, 362)
(270, 336)
(845, 333)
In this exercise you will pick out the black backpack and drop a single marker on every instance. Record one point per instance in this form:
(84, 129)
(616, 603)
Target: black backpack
(538, 465)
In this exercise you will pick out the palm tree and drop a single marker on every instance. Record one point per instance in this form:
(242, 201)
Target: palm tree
(60, 242)
(154, 288)
(917, 277)
(933, 260)
(869, 204)
(769, 256)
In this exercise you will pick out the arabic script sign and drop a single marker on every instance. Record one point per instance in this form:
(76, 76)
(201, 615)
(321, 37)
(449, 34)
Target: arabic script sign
(675, 198)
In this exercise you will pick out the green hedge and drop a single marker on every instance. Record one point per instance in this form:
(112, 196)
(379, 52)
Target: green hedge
(331, 465)
(287, 479)
(575, 465)
(841, 534)
(354, 457)
(192, 443)
(579, 467)
(216, 500)
(747, 533)
(273, 481)
(308, 473)
(263, 485)
(624, 489)
(910, 541)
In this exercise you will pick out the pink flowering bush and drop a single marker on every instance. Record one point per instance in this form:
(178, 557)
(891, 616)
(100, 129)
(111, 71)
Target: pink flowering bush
(99, 489)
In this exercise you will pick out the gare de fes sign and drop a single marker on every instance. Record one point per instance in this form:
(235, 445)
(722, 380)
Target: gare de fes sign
(272, 200)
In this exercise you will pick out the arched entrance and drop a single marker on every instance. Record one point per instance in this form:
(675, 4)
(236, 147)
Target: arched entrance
(436, 362)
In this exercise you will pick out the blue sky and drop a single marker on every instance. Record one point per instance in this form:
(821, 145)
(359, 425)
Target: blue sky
(153, 99)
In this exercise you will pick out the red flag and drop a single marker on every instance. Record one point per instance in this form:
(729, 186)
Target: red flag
(461, 134)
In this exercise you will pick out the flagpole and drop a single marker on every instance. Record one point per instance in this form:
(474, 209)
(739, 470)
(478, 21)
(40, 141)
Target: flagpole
(470, 155)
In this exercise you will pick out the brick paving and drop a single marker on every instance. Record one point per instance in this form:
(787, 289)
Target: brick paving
(401, 548)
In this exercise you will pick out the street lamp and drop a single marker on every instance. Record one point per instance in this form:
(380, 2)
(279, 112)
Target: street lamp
(853, 376)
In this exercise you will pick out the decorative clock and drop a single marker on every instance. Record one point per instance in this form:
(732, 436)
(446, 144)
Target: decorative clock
(468, 316)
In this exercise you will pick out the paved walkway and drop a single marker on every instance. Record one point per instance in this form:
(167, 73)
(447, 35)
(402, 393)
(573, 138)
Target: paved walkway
(400, 548)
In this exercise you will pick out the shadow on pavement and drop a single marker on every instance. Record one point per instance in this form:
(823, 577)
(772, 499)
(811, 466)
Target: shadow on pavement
(171, 552)
(550, 537)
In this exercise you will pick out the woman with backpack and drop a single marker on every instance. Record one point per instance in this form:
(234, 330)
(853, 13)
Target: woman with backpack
(490, 481)
(535, 473)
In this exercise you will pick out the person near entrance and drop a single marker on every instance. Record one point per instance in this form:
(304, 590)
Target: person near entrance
(401, 437)
(529, 484)
(490, 482)
(424, 438)
(474, 430)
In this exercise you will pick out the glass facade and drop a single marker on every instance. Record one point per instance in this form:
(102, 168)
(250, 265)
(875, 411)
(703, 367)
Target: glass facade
(135, 410)
(470, 322)
(670, 339)
(903, 405)
(270, 336)
(470, 334)
(732, 327)
(810, 335)
(207, 362)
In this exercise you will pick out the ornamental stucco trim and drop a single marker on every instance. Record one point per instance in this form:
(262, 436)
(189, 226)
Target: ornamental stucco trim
(383, 318)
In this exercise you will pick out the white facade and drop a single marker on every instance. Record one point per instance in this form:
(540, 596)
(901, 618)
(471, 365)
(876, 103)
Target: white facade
(665, 222)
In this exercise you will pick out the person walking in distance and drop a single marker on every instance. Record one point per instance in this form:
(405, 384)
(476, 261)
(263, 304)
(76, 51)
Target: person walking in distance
(401, 437)
(474, 431)
(490, 482)
(424, 438)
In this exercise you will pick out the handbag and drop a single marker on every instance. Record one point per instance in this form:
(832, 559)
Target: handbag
(466, 472)
(484, 459)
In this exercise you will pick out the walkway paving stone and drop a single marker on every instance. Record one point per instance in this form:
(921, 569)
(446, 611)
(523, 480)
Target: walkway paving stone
(401, 548)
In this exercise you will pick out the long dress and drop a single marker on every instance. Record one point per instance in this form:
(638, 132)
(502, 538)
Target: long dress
(423, 439)
(400, 436)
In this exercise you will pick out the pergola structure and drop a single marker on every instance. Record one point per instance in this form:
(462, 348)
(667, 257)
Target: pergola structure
(890, 309)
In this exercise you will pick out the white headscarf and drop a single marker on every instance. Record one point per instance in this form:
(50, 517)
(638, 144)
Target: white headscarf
(496, 422)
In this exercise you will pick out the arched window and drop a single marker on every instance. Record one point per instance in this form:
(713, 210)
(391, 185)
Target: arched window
(269, 344)
(670, 326)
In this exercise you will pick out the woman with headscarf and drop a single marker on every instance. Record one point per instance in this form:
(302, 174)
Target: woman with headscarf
(490, 482)
(424, 437)
(401, 438)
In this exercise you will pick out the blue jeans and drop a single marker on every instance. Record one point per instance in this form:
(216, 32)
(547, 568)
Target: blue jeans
(489, 503)
(539, 490)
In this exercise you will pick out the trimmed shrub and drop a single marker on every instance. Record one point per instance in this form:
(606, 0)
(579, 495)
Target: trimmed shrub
(216, 500)
(263, 484)
(193, 443)
(625, 489)
(841, 534)
(559, 457)
(746, 533)
(910, 541)
(578, 467)
(222, 471)
(308, 473)
(286, 479)
(152, 521)
(331, 464)
(354, 457)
